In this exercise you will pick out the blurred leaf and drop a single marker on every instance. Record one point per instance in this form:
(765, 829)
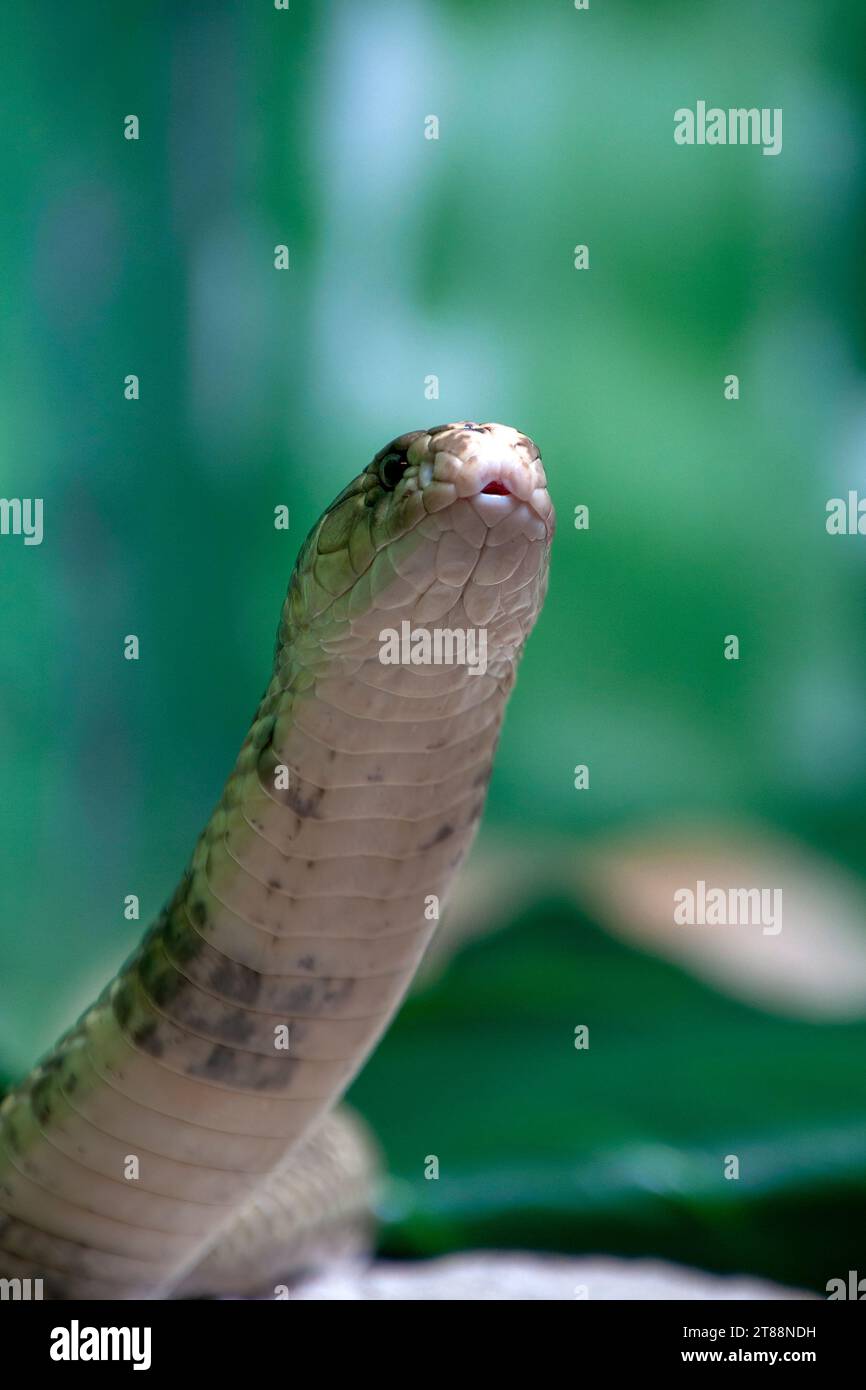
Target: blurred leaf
(620, 1147)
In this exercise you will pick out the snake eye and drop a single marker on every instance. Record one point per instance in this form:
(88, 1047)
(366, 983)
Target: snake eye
(391, 469)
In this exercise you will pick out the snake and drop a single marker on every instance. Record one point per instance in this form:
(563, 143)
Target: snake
(190, 1120)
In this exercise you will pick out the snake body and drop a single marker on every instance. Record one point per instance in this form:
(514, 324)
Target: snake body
(131, 1153)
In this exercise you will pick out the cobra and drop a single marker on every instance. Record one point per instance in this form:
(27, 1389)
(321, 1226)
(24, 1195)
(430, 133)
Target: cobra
(196, 1096)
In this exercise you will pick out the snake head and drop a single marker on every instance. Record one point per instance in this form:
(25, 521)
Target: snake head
(464, 460)
(453, 520)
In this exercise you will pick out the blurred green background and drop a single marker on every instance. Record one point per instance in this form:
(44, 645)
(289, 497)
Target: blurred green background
(454, 257)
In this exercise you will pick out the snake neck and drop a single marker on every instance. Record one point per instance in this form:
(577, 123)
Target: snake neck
(309, 901)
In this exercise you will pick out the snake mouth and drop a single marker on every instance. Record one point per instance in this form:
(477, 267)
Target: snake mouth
(496, 489)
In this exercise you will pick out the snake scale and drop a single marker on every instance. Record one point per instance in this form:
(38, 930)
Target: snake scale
(137, 1149)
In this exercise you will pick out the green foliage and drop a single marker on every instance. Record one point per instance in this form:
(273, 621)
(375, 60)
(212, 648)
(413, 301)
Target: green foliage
(618, 1146)
(258, 387)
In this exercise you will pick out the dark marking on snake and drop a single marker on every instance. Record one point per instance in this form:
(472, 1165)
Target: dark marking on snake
(236, 981)
(299, 996)
(220, 1062)
(442, 833)
(229, 1025)
(340, 994)
(246, 1069)
(40, 1099)
(160, 984)
(310, 996)
(146, 1037)
(121, 1003)
(185, 944)
(307, 807)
